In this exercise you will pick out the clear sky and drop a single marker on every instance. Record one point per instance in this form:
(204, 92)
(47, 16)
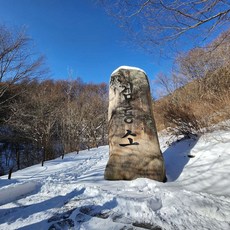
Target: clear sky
(76, 35)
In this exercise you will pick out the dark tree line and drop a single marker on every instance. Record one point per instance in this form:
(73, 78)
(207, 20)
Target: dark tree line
(43, 119)
(51, 118)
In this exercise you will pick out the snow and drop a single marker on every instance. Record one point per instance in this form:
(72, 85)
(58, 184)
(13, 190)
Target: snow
(128, 68)
(72, 193)
(16, 190)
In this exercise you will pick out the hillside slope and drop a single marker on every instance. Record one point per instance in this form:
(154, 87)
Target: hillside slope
(72, 194)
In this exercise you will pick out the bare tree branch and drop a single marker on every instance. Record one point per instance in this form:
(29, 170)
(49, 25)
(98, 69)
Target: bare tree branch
(165, 23)
(17, 63)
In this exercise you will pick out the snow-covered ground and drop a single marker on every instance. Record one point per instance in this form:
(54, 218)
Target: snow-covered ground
(72, 194)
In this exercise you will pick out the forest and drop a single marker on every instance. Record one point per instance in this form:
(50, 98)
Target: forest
(41, 118)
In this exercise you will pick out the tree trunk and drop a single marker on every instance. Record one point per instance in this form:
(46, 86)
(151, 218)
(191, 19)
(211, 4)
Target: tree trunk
(18, 157)
(43, 156)
(10, 173)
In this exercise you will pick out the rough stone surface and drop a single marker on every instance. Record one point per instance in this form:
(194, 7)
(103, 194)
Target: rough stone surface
(133, 141)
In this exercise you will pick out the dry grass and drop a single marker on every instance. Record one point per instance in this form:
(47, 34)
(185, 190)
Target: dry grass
(196, 106)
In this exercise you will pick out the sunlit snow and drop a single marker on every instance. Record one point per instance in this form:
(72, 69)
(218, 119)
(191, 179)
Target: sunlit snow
(128, 68)
(72, 193)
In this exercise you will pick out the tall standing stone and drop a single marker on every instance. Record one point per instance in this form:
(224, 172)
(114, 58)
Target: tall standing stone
(134, 149)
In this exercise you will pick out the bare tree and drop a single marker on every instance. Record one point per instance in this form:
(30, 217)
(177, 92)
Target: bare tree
(208, 66)
(71, 120)
(163, 22)
(17, 62)
(204, 98)
(83, 115)
(95, 111)
(35, 113)
(165, 84)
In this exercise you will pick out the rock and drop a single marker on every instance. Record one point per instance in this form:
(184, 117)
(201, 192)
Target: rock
(133, 141)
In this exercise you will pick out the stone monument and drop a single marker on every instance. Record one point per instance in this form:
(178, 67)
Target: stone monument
(134, 149)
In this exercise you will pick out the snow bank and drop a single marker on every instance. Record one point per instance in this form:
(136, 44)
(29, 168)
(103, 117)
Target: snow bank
(15, 191)
(209, 170)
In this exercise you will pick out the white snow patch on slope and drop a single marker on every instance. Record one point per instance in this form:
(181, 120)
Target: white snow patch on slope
(74, 195)
(15, 191)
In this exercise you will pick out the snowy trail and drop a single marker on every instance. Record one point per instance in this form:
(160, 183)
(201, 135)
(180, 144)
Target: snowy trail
(58, 177)
(72, 193)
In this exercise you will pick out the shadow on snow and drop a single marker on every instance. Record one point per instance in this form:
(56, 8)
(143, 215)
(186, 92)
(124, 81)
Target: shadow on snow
(176, 156)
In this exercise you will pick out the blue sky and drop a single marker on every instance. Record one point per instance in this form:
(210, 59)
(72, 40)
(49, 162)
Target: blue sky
(76, 35)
